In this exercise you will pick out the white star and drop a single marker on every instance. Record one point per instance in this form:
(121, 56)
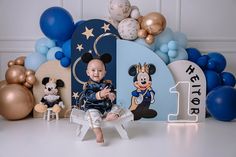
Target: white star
(88, 32)
(105, 27)
(75, 95)
(79, 47)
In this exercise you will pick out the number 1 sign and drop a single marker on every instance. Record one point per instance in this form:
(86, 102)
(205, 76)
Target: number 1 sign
(191, 90)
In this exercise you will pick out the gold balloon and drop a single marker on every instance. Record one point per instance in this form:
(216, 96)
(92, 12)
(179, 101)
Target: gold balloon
(16, 102)
(142, 33)
(3, 83)
(14, 74)
(154, 23)
(31, 79)
(20, 60)
(29, 72)
(149, 39)
(11, 63)
(26, 84)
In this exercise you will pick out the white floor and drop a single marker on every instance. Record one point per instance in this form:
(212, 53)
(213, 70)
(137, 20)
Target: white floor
(39, 138)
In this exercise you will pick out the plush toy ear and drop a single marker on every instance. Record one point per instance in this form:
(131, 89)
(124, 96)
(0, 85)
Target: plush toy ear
(105, 58)
(152, 69)
(45, 80)
(132, 70)
(59, 83)
(87, 57)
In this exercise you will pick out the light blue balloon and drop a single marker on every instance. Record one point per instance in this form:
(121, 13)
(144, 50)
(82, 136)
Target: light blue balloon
(181, 55)
(172, 45)
(164, 48)
(142, 42)
(42, 45)
(163, 56)
(51, 53)
(34, 60)
(164, 37)
(172, 53)
(181, 39)
(66, 48)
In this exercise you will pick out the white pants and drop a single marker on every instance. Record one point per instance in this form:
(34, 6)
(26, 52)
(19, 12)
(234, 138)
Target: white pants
(94, 116)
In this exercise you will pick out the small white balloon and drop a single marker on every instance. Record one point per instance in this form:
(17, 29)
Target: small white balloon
(128, 29)
(135, 13)
(119, 9)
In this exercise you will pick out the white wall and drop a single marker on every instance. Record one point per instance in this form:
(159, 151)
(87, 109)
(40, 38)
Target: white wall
(208, 24)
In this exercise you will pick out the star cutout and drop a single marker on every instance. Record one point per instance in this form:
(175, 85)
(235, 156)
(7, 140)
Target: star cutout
(88, 33)
(79, 47)
(75, 95)
(105, 27)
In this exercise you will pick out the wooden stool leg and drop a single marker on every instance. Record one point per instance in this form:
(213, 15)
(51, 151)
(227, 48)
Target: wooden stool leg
(121, 130)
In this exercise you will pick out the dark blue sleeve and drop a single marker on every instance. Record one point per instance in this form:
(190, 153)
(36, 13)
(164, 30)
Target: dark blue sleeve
(152, 91)
(135, 93)
(90, 95)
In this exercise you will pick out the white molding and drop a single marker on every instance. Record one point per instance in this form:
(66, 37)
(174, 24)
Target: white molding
(178, 15)
(159, 6)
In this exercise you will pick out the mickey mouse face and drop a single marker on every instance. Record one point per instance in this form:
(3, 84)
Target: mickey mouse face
(50, 88)
(143, 81)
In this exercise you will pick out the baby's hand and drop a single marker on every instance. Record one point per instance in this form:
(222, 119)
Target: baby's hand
(105, 92)
(111, 96)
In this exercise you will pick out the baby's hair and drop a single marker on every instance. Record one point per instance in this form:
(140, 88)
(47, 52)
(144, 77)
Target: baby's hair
(105, 58)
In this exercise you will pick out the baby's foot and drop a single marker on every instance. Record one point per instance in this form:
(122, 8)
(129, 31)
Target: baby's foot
(112, 116)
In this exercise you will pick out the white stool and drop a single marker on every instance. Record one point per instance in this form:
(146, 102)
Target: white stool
(49, 113)
(78, 117)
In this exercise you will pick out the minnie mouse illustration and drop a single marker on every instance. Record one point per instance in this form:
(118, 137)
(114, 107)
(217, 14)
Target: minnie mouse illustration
(143, 96)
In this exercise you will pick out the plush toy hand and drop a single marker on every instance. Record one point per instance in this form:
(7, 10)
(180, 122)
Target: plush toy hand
(41, 108)
(56, 108)
(139, 99)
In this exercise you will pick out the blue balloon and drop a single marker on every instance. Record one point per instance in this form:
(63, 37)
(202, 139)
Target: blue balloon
(172, 45)
(211, 65)
(57, 24)
(181, 55)
(51, 53)
(172, 53)
(59, 55)
(213, 79)
(163, 56)
(164, 48)
(65, 62)
(181, 39)
(34, 60)
(228, 79)
(221, 103)
(202, 61)
(43, 44)
(66, 48)
(193, 54)
(219, 60)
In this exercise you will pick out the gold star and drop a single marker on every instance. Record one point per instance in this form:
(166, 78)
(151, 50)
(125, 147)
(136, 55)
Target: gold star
(105, 27)
(88, 32)
(79, 47)
(75, 95)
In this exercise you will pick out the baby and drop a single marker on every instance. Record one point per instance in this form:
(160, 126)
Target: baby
(99, 94)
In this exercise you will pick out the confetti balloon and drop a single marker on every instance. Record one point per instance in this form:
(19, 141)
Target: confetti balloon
(128, 29)
(119, 9)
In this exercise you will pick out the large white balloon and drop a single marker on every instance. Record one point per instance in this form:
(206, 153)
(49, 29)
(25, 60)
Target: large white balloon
(119, 9)
(128, 29)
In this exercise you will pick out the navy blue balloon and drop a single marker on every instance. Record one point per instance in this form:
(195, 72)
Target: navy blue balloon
(59, 55)
(211, 65)
(57, 24)
(65, 62)
(228, 79)
(221, 103)
(193, 54)
(202, 62)
(66, 48)
(213, 79)
(219, 59)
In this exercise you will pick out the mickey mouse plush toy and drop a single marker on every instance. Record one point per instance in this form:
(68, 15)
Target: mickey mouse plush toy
(143, 96)
(51, 98)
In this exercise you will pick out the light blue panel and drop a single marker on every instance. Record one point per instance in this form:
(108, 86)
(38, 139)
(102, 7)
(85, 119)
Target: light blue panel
(130, 53)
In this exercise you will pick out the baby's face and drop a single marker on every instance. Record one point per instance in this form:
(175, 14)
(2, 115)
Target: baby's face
(96, 70)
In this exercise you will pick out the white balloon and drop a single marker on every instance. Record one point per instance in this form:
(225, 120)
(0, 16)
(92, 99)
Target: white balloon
(119, 9)
(128, 29)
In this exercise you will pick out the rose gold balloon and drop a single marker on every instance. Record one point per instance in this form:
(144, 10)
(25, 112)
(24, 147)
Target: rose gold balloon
(27, 85)
(29, 72)
(11, 63)
(142, 33)
(14, 74)
(149, 39)
(16, 101)
(21, 78)
(154, 23)
(31, 79)
(3, 83)
(20, 60)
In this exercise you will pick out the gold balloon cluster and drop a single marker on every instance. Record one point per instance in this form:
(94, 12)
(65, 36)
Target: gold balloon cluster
(17, 101)
(17, 73)
(150, 25)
